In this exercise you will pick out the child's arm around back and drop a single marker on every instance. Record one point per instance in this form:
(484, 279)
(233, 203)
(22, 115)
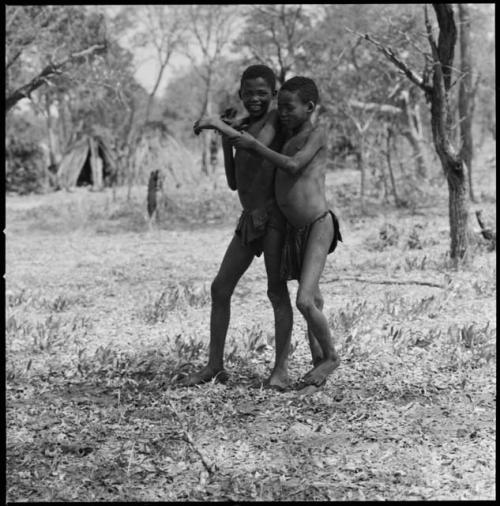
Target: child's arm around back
(292, 164)
(265, 135)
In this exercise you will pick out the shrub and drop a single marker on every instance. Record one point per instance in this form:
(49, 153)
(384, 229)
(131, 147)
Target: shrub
(24, 162)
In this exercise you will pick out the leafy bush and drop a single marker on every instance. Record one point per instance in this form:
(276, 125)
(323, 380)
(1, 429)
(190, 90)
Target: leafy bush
(178, 296)
(24, 161)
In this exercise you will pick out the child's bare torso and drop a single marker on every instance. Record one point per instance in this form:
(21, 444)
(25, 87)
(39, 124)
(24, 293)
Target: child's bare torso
(254, 174)
(301, 196)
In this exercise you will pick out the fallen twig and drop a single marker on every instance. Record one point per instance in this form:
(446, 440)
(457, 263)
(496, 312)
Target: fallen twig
(209, 466)
(385, 281)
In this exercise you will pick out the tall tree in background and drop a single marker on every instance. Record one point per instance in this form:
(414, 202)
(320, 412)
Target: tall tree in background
(466, 93)
(212, 29)
(361, 93)
(49, 48)
(38, 48)
(164, 31)
(274, 35)
(94, 93)
(437, 89)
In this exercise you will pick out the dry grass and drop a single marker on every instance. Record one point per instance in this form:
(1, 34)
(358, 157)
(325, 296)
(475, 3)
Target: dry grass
(102, 314)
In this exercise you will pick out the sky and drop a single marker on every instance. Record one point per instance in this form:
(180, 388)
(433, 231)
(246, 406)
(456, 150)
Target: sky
(147, 67)
(146, 64)
(147, 70)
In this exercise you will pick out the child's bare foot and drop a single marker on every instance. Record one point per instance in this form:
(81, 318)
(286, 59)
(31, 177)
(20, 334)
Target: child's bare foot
(278, 380)
(319, 374)
(317, 359)
(204, 376)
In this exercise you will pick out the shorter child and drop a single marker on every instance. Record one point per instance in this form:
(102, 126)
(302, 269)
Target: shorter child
(313, 230)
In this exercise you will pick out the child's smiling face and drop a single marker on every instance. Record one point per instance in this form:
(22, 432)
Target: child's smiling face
(292, 110)
(256, 95)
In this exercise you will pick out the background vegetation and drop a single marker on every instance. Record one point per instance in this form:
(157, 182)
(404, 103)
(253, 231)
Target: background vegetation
(106, 306)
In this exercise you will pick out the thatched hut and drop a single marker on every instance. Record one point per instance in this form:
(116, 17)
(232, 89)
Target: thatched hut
(157, 150)
(88, 161)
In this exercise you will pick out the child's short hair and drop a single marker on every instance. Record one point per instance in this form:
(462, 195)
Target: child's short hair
(263, 71)
(306, 88)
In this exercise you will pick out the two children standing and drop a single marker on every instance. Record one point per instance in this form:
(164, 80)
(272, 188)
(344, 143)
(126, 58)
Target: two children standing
(278, 169)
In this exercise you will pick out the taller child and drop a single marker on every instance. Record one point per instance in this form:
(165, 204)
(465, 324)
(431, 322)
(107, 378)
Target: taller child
(260, 228)
(312, 230)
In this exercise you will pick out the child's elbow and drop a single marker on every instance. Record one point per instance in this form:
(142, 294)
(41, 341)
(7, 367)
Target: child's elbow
(292, 166)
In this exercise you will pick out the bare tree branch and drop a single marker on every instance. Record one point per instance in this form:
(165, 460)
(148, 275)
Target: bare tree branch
(357, 123)
(373, 107)
(389, 53)
(13, 59)
(45, 75)
(209, 466)
(385, 281)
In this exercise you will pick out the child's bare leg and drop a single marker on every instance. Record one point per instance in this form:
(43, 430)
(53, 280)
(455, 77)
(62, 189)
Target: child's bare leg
(314, 261)
(316, 351)
(235, 262)
(277, 292)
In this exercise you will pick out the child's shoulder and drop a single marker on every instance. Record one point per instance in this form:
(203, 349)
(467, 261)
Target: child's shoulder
(312, 137)
(317, 135)
(271, 117)
(269, 122)
(318, 130)
(313, 132)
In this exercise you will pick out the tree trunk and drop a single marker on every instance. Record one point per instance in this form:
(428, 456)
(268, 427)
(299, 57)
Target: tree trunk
(127, 167)
(152, 95)
(451, 160)
(362, 169)
(466, 94)
(205, 134)
(414, 134)
(204, 152)
(213, 148)
(389, 166)
(458, 209)
(63, 122)
(50, 132)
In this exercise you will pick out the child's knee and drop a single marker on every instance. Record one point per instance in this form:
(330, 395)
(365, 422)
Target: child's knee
(305, 303)
(319, 301)
(277, 293)
(220, 291)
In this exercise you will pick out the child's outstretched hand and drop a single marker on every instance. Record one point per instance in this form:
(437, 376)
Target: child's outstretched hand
(229, 118)
(242, 141)
(204, 123)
